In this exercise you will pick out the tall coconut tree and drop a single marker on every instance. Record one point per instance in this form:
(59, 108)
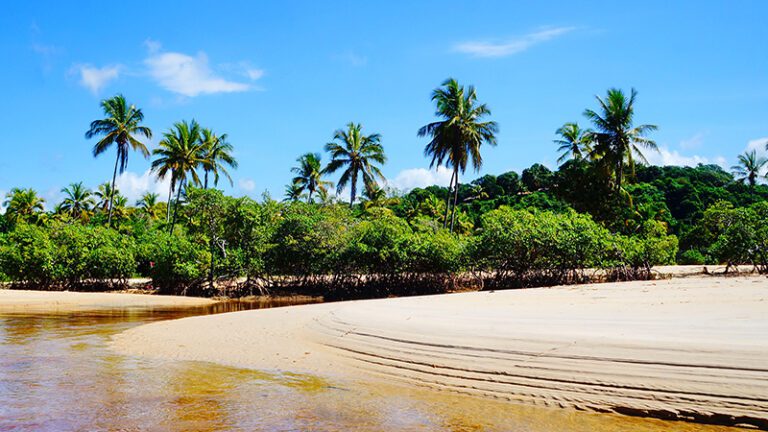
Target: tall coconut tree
(148, 204)
(574, 142)
(23, 205)
(217, 155)
(121, 127)
(179, 155)
(309, 175)
(456, 138)
(617, 140)
(78, 201)
(749, 167)
(358, 155)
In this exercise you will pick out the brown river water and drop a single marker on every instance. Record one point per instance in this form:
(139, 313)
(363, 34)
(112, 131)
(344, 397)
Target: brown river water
(57, 374)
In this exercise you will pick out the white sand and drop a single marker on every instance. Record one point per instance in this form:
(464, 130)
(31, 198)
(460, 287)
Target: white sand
(694, 348)
(41, 301)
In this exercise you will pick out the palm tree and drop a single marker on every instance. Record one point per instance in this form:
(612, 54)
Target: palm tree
(617, 140)
(120, 127)
(749, 167)
(22, 205)
(293, 192)
(148, 204)
(179, 154)
(458, 135)
(574, 142)
(78, 200)
(103, 194)
(375, 195)
(217, 153)
(120, 207)
(359, 154)
(309, 175)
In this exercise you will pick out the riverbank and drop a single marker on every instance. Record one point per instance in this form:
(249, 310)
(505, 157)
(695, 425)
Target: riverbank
(44, 301)
(690, 349)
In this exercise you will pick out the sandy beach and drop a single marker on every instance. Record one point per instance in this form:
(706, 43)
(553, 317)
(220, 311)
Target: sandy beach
(691, 349)
(62, 301)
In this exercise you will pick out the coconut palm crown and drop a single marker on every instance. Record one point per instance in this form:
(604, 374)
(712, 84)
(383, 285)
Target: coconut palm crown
(574, 142)
(179, 155)
(309, 175)
(457, 137)
(217, 155)
(749, 167)
(23, 205)
(78, 201)
(358, 155)
(617, 141)
(122, 127)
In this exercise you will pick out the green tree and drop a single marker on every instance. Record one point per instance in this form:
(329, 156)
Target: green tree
(78, 201)
(179, 154)
(457, 137)
(537, 177)
(293, 192)
(574, 142)
(23, 205)
(122, 127)
(749, 167)
(148, 204)
(358, 154)
(617, 141)
(217, 155)
(309, 175)
(103, 194)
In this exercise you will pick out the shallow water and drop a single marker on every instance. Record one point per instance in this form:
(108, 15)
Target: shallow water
(57, 374)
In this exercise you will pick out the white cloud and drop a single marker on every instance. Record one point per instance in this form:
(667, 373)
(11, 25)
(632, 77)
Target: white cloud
(153, 46)
(246, 185)
(757, 144)
(133, 186)
(187, 75)
(254, 74)
(95, 78)
(510, 46)
(693, 142)
(665, 156)
(412, 178)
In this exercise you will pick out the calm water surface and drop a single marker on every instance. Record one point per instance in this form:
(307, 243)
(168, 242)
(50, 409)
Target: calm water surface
(57, 374)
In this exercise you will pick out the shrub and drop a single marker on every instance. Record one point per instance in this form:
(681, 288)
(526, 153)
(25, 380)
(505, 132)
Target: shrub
(175, 264)
(692, 257)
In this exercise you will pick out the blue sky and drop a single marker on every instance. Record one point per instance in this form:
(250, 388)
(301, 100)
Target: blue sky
(280, 77)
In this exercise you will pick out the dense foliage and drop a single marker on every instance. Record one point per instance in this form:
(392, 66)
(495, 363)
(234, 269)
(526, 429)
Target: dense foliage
(510, 233)
(602, 213)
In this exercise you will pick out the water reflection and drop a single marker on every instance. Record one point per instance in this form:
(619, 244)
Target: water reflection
(56, 374)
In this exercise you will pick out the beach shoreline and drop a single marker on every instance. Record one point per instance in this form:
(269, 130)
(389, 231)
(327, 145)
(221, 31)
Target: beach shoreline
(680, 349)
(23, 301)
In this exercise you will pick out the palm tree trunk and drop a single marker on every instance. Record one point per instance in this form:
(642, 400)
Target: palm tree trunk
(206, 180)
(176, 206)
(168, 205)
(112, 192)
(619, 174)
(309, 197)
(353, 189)
(455, 196)
(448, 200)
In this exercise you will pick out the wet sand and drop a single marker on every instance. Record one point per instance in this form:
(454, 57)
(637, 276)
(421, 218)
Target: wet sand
(689, 349)
(64, 301)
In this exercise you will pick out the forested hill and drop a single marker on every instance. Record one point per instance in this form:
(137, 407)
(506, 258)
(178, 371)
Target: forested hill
(677, 196)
